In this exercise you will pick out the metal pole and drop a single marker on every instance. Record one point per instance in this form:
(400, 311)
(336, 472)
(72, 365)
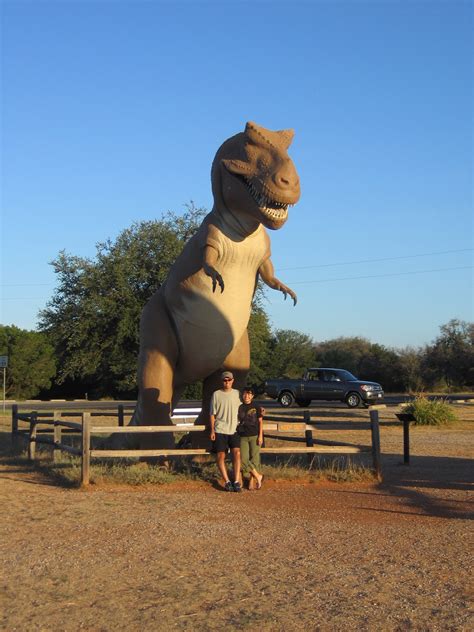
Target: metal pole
(406, 441)
(4, 382)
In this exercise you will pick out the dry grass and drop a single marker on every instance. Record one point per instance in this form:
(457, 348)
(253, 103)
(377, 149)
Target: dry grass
(332, 424)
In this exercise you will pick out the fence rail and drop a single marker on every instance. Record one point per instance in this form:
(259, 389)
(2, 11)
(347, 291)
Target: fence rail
(301, 424)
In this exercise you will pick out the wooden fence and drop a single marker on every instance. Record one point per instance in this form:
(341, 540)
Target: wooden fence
(274, 425)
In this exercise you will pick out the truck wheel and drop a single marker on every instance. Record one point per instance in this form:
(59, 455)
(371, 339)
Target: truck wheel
(303, 402)
(353, 400)
(286, 399)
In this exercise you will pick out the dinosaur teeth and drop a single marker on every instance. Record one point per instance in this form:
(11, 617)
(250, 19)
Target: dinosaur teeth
(269, 207)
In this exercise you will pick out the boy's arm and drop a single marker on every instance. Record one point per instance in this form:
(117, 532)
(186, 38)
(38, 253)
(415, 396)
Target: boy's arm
(260, 430)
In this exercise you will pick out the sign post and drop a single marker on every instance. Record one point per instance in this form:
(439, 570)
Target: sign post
(3, 365)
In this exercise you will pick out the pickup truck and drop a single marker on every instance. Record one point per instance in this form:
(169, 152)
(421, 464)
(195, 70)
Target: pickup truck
(324, 384)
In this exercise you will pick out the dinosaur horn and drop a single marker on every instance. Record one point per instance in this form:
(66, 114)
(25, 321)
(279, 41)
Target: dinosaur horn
(257, 134)
(286, 136)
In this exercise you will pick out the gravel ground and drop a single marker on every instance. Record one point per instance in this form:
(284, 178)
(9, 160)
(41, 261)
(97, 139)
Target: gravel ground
(293, 556)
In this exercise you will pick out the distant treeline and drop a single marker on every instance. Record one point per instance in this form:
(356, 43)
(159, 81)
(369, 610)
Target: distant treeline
(87, 342)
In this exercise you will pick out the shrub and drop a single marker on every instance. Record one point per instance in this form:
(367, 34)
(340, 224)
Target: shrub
(430, 412)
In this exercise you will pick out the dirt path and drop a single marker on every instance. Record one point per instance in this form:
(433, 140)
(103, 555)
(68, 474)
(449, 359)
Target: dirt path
(290, 557)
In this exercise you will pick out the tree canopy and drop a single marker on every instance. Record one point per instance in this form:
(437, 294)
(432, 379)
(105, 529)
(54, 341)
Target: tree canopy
(291, 352)
(450, 359)
(31, 362)
(93, 317)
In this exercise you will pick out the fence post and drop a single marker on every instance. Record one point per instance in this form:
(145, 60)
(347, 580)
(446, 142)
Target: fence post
(86, 445)
(57, 435)
(309, 437)
(32, 436)
(15, 434)
(120, 415)
(374, 426)
(308, 433)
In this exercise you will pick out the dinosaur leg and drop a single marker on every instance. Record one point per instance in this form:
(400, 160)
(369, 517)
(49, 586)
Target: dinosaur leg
(156, 367)
(238, 361)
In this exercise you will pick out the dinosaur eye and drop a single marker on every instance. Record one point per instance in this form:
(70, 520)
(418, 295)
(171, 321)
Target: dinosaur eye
(262, 164)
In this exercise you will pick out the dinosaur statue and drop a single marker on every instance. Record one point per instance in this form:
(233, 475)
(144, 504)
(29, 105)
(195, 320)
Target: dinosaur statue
(195, 325)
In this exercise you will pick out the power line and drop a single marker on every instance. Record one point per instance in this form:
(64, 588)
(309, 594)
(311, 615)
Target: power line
(24, 284)
(346, 263)
(378, 276)
(320, 265)
(23, 298)
(353, 278)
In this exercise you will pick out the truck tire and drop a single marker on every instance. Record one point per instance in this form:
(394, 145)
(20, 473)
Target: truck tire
(303, 402)
(286, 399)
(353, 400)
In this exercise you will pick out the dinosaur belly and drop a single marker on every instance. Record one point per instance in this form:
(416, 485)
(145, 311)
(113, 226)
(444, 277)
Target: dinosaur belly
(209, 324)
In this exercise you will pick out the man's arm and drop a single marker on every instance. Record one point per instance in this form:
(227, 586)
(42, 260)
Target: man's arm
(212, 419)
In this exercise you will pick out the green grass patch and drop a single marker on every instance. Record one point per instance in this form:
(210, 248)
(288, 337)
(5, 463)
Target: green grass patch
(431, 412)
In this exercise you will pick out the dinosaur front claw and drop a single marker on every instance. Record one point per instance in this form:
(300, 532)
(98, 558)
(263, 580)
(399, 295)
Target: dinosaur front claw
(286, 290)
(217, 279)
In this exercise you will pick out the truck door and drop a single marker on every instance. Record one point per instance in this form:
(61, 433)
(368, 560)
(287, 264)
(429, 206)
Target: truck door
(314, 386)
(333, 386)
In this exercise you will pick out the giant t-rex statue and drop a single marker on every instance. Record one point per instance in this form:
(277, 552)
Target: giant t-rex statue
(195, 325)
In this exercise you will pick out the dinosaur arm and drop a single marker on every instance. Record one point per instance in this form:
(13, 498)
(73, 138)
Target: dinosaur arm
(267, 274)
(210, 259)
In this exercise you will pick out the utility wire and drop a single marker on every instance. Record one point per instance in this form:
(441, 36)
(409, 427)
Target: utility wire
(353, 278)
(378, 276)
(24, 284)
(346, 263)
(320, 265)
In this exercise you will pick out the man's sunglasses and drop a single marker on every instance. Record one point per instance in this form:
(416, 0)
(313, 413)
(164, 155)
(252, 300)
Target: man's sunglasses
(228, 379)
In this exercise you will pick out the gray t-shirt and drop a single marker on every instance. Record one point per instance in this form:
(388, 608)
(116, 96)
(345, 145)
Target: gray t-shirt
(224, 407)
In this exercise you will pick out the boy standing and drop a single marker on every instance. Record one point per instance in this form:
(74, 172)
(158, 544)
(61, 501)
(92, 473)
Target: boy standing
(225, 404)
(250, 429)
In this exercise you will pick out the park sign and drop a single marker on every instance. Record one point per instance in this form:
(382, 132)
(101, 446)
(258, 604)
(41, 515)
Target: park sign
(3, 362)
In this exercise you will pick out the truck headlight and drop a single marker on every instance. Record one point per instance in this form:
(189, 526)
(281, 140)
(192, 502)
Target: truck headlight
(367, 387)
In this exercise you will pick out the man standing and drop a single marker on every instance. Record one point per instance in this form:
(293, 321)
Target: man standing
(225, 404)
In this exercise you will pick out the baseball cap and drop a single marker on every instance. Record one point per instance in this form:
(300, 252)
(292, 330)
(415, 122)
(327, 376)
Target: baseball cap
(227, 374)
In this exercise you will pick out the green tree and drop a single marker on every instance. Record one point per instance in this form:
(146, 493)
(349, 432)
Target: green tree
(290, 353)
(31, 363)
(450, 359)
(366, 360)
(260, 336)
(410, 369)
(344, 352)
(93, 316)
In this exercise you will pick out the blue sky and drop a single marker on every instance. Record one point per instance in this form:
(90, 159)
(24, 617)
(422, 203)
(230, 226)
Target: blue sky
(112, 113)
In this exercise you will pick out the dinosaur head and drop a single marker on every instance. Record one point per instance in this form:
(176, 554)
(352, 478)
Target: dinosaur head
(253, 176)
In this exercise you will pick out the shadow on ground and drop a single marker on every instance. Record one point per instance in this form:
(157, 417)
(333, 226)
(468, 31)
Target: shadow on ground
(431, 484)
(435, 486)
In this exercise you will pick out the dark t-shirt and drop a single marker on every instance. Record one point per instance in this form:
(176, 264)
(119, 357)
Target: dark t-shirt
(248, 415)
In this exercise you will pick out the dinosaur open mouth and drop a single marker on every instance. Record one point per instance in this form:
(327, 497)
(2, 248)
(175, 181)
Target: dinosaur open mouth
(267, 205)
